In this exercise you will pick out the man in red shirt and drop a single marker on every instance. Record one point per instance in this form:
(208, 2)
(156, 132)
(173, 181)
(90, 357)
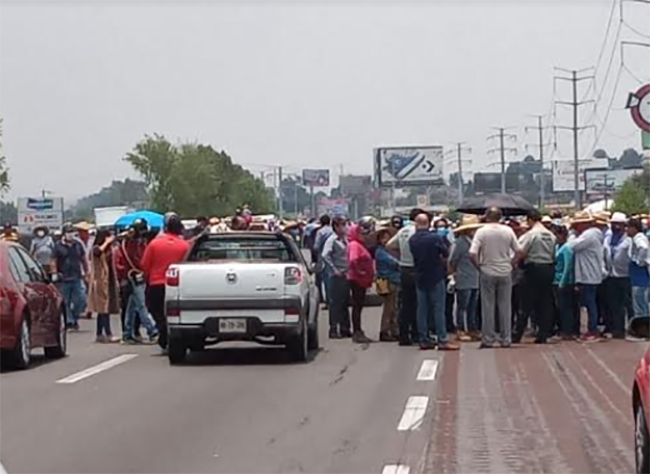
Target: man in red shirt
(165, 250)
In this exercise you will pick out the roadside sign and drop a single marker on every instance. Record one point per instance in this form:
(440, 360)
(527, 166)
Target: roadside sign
(607, 182)
(35, 212)
(407, 166)
(316, 178)
(639, 105)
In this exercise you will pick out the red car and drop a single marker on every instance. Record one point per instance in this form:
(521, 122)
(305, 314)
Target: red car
(641, 407)
(31, 309)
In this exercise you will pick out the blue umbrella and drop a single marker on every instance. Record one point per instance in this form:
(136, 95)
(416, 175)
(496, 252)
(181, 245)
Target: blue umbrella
(153, 219)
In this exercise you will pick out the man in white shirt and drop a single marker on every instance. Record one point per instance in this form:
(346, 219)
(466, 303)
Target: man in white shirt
(495, 251)
(408, 308)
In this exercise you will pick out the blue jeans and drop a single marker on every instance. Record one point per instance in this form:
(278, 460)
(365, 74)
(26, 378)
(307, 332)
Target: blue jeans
(136, 305)
(432, 300)
(466, 303)
(640, 302)
(326, 277)
(588, 300)
(74, 299)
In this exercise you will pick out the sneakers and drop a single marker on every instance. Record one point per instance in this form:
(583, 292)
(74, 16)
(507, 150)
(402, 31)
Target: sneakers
(405, 342)
(590, 337)
(385, 337)
(485, 345)
(127, 341)
(154, 339)
(111, 339)
(100, 340)
(360, 338)
(462, 336)
(345, 334)
(427, 346)
(334, 334)
(448, 346)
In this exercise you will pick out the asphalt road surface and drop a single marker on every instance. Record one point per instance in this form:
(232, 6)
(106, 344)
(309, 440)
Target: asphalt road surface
(378, 408)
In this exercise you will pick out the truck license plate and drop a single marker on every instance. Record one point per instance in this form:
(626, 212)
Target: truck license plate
(232, 325)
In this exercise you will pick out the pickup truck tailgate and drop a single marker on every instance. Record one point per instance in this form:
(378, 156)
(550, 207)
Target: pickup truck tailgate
(224, 281)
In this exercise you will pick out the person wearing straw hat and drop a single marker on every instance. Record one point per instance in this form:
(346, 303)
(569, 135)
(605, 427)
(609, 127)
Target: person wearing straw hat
(618, 292)
(387, 283)
(464, 279)
(589, 262)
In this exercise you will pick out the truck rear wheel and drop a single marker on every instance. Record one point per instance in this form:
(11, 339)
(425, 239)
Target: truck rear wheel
(298, 344)
(176, 350)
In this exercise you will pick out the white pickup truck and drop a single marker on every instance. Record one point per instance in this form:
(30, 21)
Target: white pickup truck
(242, 286)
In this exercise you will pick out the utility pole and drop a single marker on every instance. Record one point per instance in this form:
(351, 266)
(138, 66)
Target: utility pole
(280, 204)
(503, 149)
(542, 178)
(457, 156)
(575, 128)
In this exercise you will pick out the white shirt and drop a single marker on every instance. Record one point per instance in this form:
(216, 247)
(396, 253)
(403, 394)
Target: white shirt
(494, 245)
(401, 242)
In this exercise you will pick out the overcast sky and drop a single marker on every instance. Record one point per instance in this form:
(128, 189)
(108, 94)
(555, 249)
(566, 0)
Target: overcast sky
(302, 84)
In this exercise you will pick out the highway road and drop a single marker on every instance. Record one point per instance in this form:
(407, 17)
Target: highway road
(377, 408)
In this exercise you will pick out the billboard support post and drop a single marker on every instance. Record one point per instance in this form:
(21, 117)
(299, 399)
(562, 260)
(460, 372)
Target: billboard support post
(313, 200)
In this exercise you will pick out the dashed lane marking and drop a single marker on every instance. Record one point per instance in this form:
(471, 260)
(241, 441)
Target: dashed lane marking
(428, 370)
(395, 469)
(416, 407)
(109, 364)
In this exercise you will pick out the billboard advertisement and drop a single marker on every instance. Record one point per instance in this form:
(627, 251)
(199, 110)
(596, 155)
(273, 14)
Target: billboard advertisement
(316, 178)
(354, 185)
(408, 166)
(563, 175)
(604, 181)
(334, 207)
(35, 212)
(487, 183)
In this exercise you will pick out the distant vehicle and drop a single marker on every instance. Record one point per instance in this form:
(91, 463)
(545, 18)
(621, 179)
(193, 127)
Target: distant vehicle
(31, 309)
(641, 410)
(242, 286)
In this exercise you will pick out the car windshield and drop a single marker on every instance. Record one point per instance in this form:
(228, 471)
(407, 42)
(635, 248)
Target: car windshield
(243, 249)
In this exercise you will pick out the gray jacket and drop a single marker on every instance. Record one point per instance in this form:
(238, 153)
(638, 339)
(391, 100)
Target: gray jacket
(617, 259)
(589, 256)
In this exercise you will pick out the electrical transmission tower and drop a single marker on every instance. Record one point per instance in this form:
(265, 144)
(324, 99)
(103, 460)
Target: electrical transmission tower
(503, 149)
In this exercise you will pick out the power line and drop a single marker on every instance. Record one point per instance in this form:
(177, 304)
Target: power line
(502, 149)
(599, 134)
(634, 30)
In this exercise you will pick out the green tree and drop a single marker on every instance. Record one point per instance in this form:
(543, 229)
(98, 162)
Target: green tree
(194, 179)
(8, 213)
(630, 199)
(120, 193)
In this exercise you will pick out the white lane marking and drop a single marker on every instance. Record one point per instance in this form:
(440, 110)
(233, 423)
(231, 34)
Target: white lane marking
(4, 471)
(414, 412)
(428, 370)
(395, 469)
(97, 369)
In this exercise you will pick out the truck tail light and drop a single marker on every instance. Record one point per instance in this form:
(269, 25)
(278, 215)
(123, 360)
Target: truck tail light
(291, 315)
(173, 312)
(173, 277)
(292, 276)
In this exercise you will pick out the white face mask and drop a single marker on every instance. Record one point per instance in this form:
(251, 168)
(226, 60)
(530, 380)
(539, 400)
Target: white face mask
(40, 234)
(69, 236)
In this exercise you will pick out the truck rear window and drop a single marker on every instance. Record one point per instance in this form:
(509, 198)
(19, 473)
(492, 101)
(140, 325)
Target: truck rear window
(246, 249)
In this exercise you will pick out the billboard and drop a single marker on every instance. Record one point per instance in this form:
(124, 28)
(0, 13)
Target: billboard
(334, 207)
(487, 183)
(35, 212)
(563, 175)
(604, 181)
(354, 185)
(408, 166)
(316, 178)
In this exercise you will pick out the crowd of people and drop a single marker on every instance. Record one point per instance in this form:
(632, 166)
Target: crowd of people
(492, 280)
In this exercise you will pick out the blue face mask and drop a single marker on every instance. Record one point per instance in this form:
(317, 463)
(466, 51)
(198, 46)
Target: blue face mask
(442, 231)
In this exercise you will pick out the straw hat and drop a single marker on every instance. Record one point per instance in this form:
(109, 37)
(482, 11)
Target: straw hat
(214, 221)
(582, 217)
(618, 218)
(83, 225)
(602, 217)
(468, 222)
(379, 231)
(547, 220)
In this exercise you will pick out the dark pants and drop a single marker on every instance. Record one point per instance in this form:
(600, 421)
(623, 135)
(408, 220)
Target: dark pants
(408, 308)
(358, 299)
(588, 300)
(155, 298)
(104, 325)
(569, 311)
(618, 301)
(449, 311)
(125, 295)
(539, 299)
(339, 301)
